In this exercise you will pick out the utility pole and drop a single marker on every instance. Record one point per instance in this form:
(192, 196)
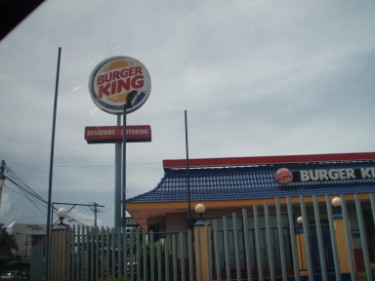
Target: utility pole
(2, 178)
(95, 206)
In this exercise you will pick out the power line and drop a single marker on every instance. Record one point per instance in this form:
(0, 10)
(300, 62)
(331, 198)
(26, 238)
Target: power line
(16, 180)
(35, 203)
(24, 190)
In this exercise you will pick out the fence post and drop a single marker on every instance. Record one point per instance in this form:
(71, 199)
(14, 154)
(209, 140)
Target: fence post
(342, 243)
(202, 240)
(59, 253)
(301, 248)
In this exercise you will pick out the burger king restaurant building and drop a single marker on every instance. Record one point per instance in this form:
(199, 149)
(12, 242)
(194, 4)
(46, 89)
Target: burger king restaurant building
(227, 186)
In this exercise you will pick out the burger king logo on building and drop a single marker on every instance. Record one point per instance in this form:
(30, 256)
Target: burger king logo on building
(119, 80)
(284, 175)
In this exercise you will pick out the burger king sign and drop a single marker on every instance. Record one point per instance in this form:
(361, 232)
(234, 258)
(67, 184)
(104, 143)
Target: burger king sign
(117, 81)
(284, 175)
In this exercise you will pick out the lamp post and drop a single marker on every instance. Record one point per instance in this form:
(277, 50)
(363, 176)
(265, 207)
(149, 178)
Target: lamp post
(61, 213)
(202, 239)
(299, 220)
(59, 253)
(300, 239)
(343, 236)
(336, 204)
(200, 209)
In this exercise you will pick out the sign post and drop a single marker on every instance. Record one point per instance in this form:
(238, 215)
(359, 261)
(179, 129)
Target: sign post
(119, 85)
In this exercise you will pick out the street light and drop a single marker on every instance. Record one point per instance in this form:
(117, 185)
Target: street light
(300, 220)
(61, 213)
(300, 238)
(336, 202)
(200, 209)
(202, 240)
(299, 226)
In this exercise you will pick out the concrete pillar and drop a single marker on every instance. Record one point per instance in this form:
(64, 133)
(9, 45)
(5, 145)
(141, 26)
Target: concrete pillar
(59, 253)
(301, 249)
(202, 246)
(342, 249)
(343, 246)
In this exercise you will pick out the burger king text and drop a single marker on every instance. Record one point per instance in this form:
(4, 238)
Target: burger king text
(337, 174)
(117, 81)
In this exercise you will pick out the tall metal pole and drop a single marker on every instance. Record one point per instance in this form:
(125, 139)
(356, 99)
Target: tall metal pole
(2, 177)
(48, 233)
(118, 199)
(187, 172)
(124, 168)
(95, 215)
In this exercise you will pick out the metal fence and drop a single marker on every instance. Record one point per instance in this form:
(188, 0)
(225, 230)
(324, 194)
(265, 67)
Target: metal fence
(101, 254)
(263, 242)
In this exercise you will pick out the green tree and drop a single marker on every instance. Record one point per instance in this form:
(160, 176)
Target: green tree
(7, 246)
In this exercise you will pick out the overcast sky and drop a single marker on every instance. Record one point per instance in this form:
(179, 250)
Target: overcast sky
(256, 78)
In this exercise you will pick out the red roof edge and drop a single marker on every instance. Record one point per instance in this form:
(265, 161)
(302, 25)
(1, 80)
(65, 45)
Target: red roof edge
(259, 160)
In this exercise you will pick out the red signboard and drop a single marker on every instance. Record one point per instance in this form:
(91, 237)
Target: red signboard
(111, 134)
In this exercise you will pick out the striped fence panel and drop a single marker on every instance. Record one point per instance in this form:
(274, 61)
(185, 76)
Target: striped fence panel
(266, 241)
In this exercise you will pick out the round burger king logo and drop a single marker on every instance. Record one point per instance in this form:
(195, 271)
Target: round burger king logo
(119, 80)
(284, 175)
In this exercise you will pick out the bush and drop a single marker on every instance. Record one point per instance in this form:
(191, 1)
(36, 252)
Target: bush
(154, 248)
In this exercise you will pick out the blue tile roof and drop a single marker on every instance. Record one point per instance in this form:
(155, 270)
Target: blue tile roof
(251, 182)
